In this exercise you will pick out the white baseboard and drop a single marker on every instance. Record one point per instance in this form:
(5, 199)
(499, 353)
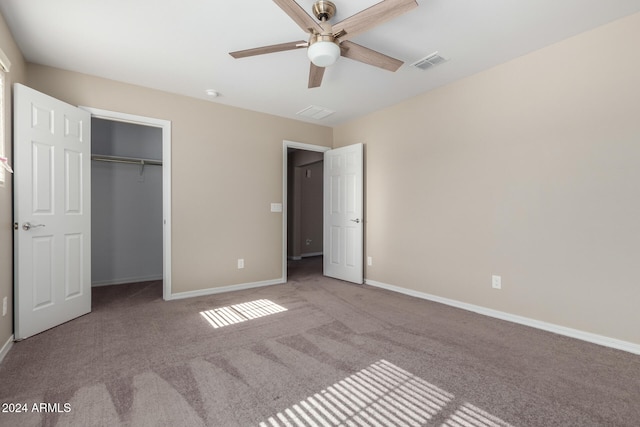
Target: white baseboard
(211, 291)
(310, 254)
(6, 347)
(550, 327)
(126, 280)
(307, 255)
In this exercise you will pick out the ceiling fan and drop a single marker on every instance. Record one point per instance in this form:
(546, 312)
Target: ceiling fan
(327, 42)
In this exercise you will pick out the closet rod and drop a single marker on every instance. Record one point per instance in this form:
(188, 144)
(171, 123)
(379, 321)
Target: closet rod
(131, 160)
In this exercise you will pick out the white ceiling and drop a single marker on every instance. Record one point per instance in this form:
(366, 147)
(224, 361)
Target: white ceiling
(182, 46)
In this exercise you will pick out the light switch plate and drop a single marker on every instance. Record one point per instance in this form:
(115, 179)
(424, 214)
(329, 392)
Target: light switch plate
(276, 207)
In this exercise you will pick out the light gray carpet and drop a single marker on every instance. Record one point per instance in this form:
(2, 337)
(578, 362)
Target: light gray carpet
(340, 354)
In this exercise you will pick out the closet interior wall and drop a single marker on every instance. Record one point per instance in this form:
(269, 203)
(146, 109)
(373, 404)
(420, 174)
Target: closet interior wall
(126, 204)
(304, 210)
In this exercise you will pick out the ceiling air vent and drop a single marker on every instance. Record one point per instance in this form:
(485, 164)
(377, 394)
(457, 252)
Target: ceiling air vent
(429, 61)
(315, 112)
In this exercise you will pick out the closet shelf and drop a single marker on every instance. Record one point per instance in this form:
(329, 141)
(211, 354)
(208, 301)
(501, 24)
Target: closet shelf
(130, 160)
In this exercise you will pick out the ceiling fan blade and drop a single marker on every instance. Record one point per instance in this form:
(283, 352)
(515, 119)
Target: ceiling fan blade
(363, 54)
(268, 49)
(297, 13)
(315, 76)
(372, 16)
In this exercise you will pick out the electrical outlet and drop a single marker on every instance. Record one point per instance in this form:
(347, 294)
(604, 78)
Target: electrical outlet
(496, 282)
(240, 263)
(369, 260)
(4, 306)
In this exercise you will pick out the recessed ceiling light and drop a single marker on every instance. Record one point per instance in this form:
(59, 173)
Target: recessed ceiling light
(212, 93)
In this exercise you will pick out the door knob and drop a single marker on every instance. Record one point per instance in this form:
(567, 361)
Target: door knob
(357, 220)
(28, 226)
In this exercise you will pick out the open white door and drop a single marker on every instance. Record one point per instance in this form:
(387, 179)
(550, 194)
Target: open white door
(343, 221)
(52, 210)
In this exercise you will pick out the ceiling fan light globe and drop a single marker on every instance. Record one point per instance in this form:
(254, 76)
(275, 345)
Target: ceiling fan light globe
(323, 53)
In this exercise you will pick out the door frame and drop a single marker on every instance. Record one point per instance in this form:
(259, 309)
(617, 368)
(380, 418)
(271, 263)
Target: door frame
(165, 126)
(285, 197)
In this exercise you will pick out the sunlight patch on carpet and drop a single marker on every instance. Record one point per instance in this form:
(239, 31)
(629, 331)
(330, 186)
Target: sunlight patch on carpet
(469, 415)
(381, 395)
(224, 316)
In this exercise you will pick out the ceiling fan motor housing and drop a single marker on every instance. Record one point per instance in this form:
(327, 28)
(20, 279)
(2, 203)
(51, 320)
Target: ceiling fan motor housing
(323, 48)
(324, 10)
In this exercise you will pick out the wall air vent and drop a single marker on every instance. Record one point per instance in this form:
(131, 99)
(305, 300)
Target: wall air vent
(429, 61)
(315, 112)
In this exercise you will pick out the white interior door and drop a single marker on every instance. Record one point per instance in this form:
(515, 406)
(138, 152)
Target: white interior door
(52, 210)
(343, 221)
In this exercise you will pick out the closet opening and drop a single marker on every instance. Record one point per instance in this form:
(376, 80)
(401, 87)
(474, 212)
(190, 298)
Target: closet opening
(130, 200)
(303, 187)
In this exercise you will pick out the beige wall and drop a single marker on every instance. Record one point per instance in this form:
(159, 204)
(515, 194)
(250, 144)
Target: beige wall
(16, 75)
(226, 171)
(531, 171)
